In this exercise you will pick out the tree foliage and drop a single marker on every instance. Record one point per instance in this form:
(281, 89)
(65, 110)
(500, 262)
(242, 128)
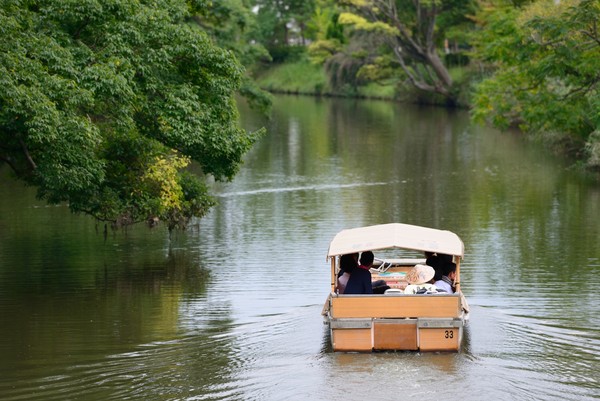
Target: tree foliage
(328, 33)
(232, 24)
(414, 31)
(282, 22)
(103, 103)
(547, 71)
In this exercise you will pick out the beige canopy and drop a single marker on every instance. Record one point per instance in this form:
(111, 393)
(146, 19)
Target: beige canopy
(395, 235)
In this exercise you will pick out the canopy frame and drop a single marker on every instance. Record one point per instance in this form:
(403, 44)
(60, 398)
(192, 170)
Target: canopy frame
(395, 235)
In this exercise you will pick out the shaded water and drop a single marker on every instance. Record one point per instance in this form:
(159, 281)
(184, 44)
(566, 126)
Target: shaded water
(231, 308)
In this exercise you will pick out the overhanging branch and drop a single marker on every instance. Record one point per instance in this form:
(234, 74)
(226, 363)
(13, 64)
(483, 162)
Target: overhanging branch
(27, 155)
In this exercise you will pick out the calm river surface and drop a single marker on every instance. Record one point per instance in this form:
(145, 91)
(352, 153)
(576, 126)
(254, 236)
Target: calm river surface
(230, 310)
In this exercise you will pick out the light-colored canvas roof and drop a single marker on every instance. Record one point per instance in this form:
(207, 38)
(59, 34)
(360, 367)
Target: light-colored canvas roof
(395, 235)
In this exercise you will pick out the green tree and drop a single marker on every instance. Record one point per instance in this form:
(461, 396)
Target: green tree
(281, 24)
(328, 34)
(546, 60)
(231, 24)
(413, 32)
(103, 104)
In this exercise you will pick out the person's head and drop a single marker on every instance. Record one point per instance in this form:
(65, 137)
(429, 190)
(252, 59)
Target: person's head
(436, 262)
(366, 258)
(449, 270)
(347, 263)
(445, 258)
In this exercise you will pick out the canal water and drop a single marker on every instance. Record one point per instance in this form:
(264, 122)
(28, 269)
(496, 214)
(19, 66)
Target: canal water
(230, 309)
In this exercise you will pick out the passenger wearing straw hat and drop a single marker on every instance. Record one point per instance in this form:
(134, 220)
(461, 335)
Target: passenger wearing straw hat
(419, 278)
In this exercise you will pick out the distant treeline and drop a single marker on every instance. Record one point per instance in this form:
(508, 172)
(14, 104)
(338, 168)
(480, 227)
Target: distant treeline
(534, 65)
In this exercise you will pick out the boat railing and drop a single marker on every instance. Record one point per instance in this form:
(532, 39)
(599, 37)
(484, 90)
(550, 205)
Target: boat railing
(382, 265)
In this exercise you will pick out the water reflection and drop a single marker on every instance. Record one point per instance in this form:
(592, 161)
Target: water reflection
(231, 308)
(83, 316)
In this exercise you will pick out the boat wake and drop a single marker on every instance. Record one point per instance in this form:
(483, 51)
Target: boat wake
(300, 188)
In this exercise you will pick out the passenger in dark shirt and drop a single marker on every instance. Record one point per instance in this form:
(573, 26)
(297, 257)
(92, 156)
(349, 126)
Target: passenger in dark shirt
(366, 261)
(359, 282)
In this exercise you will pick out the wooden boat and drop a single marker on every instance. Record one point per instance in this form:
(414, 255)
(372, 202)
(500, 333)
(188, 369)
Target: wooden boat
(395, 320)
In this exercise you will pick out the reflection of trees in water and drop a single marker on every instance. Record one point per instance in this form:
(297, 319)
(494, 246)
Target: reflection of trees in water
(435, 169)
(70, 300)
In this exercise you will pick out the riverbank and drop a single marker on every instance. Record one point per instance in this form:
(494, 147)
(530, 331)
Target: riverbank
(305, 78)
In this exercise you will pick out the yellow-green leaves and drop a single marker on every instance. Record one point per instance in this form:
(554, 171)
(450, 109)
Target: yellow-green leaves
(362, 24)
(320, 50)
(162, 175)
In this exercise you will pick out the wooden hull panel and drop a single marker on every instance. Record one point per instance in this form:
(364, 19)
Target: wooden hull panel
(400, 306)
(351, 340)
(444, 339)
(390, 335)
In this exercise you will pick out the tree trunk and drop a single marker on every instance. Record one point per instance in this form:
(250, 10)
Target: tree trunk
(441, 72)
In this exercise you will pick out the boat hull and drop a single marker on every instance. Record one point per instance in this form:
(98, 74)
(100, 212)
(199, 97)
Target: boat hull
(366, 323)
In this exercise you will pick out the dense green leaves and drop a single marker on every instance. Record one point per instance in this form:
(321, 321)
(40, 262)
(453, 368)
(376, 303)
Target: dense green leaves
(547, 72)
(413, 33)
(96, 94)
(281, 22)
(232, 25)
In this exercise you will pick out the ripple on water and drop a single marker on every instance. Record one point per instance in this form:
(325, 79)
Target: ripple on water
(535, 356)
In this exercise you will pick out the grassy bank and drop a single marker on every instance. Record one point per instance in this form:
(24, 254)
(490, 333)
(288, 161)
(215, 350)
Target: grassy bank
(302, 77)
(298, 77)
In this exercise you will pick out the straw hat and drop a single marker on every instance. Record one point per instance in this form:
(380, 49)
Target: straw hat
(420, 274)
